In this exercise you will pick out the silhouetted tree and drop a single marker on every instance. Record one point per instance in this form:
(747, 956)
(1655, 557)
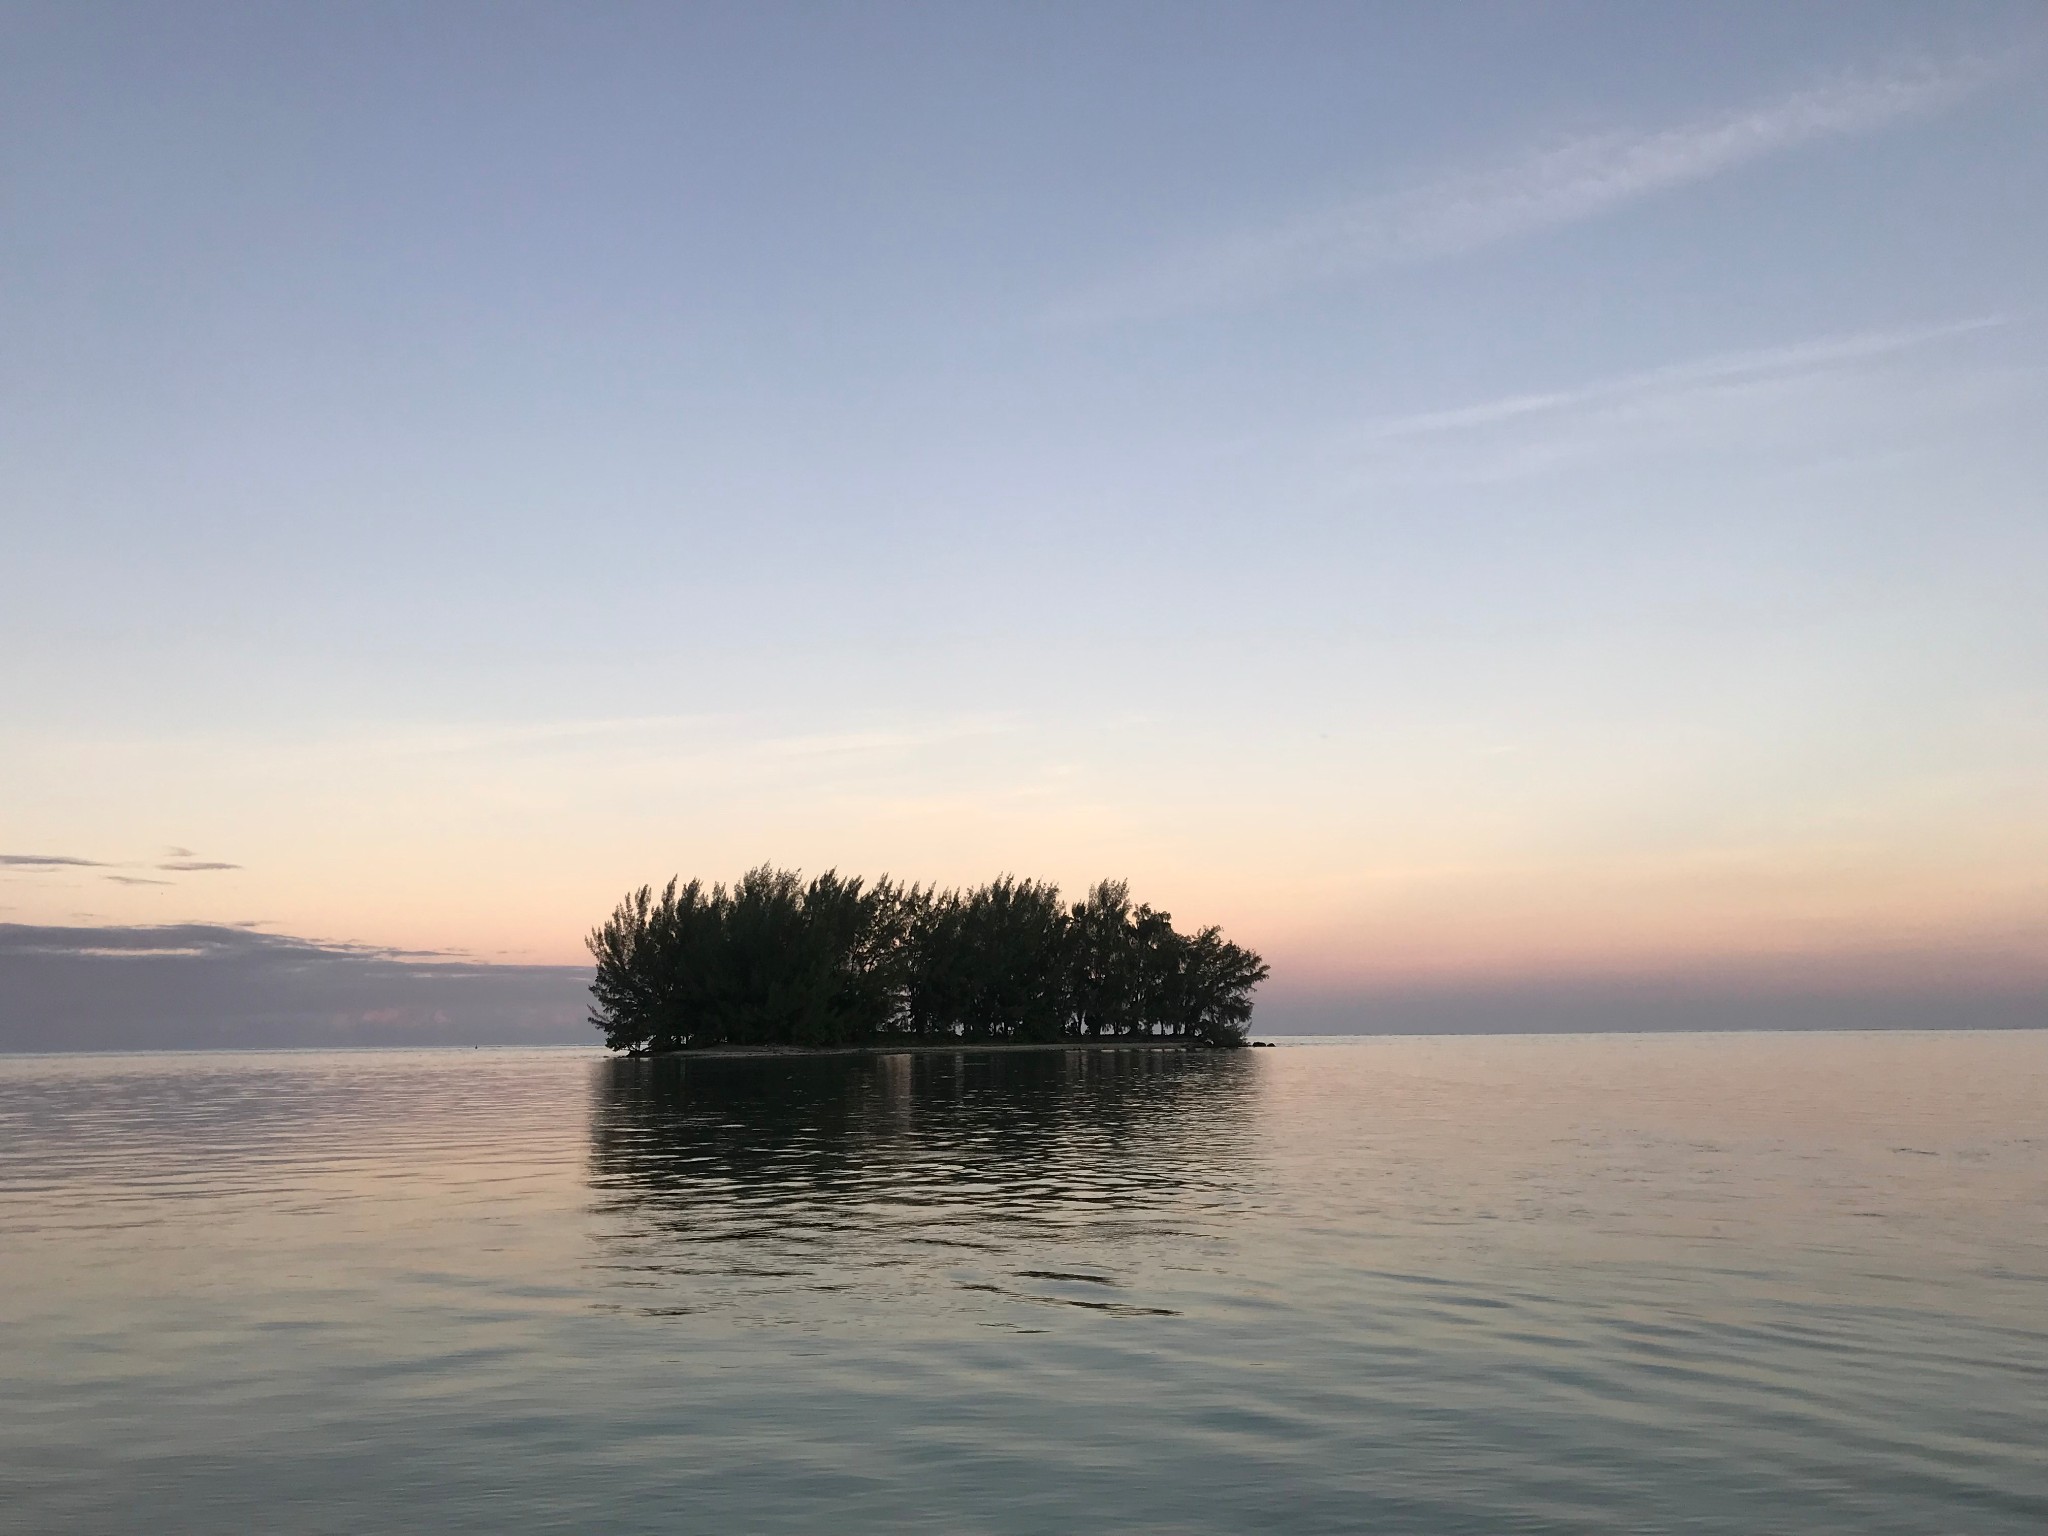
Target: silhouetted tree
(775, 961)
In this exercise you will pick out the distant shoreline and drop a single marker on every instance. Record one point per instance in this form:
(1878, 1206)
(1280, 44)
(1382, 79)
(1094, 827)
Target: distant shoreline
(922, 1048)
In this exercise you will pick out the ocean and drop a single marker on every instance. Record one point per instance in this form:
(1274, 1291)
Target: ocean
(1705, 1283)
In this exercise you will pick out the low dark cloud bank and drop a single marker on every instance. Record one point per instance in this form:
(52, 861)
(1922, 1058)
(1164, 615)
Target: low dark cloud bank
(1656, 1003)
(197, 985)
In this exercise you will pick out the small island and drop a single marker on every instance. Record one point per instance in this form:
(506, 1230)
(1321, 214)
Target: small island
(775, 961)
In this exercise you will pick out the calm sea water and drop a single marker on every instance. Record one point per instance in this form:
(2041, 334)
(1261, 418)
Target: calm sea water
(1732, 1283)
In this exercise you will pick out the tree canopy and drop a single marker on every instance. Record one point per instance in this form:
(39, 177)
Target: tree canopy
(775, 960)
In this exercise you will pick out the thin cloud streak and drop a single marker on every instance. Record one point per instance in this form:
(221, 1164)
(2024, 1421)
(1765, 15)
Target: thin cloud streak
(1576, 179)
(1809, 403)
(1726, 368)
(59, 861)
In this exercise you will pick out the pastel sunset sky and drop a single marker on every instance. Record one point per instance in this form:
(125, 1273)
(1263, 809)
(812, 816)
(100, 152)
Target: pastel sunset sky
(1480, 492)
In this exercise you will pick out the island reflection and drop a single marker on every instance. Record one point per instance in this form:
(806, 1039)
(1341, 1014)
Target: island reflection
(1046, 1177)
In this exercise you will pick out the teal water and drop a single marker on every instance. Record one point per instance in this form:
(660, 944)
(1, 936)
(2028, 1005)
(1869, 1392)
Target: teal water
(1727, 1283)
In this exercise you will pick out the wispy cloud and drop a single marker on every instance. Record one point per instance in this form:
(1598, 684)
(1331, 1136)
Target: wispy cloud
(56, 861)
(1813, 396)
(1562, 183)
(134, 880)
(1726, 368)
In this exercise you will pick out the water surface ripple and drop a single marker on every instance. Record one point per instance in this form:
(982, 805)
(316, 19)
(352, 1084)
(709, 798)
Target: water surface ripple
(1727, 1283)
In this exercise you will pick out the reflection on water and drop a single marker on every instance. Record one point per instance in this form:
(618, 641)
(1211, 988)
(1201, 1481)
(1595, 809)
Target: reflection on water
(1719, 1284)
(1039, 1178)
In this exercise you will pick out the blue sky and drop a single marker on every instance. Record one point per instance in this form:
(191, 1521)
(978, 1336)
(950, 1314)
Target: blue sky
(1474, 491)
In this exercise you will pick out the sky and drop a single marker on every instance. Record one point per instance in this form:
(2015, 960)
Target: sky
(1514, 499)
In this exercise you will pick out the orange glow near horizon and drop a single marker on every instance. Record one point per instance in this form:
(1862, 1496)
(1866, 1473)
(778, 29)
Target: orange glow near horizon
(510, 845)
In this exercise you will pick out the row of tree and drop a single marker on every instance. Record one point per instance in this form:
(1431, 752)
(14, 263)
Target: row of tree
(775, 960)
